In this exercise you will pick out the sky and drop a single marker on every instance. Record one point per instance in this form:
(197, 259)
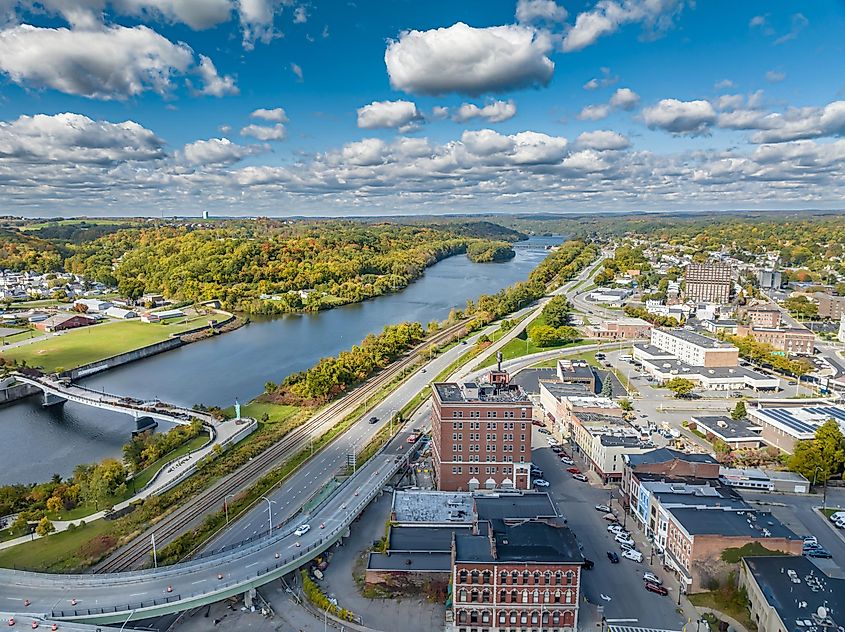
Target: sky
(399, 107)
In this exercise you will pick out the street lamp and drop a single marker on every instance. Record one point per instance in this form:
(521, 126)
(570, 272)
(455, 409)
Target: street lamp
(127, 620)
(270, 504)
(226, 506)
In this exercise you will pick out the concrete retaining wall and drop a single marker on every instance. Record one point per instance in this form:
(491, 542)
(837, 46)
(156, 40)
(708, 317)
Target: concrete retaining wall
(123, 358)
(16, 392)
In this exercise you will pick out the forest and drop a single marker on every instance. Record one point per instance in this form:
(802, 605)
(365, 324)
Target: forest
(262, 267)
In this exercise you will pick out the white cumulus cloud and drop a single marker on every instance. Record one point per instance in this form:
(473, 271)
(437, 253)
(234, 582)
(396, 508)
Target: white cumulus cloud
(212, 83)
(217, 151)
(276, 115)
(608, 15)
(388, 114)
(264, 132)
(469, 60)
(681, 117)
(624, 99)
(603, 140)
(493, 112)
(539, 10)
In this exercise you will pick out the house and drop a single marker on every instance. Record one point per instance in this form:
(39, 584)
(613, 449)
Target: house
(61, 322)
(151, 299)
(120, 313)
(92, 305)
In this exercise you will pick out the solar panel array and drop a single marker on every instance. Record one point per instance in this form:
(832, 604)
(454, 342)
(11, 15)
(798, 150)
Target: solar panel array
(787, 418)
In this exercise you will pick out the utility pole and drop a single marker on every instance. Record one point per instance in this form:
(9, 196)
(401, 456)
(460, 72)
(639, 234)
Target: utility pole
(226, 506)
(155, 556)
(269, 512)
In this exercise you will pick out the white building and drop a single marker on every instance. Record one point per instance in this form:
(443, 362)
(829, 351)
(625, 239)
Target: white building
(93, 305)
(122, 314)
(695, 349)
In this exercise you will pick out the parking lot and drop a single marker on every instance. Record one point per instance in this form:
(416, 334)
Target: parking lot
(622, 583)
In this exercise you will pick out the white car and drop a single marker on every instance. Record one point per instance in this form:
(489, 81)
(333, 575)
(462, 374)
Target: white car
(541, 483)
(633, 554)
(302, 529)
(615, 528)
(623, 538)
(566, 460)
(603, 508)
(651, 577)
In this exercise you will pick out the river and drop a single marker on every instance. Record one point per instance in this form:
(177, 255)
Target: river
(36, 442)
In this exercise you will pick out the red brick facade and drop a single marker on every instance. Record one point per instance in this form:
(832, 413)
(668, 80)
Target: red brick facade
(515, 597)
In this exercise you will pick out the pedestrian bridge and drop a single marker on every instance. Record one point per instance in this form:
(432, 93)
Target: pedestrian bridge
(58, 391)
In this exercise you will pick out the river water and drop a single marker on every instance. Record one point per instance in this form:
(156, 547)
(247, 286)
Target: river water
(36, 442)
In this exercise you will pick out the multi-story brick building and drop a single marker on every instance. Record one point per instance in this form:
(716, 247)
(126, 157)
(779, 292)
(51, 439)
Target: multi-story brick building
(830, 307)
(663, 463)
(622, 328)
(481, 433)
(790, 340)
(509, 578)
(605, 439)
(708, 283)
(695, 349)
(763, 316)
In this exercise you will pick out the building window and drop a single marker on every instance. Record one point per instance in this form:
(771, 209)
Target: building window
(475, 576)
(457, 413)
(569, 576)
(558, 575)
(491, 413)
(462, 577)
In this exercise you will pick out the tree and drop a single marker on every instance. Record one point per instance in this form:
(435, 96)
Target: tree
(626, 405)
(606, 387)
(54, 504)
(739, 411)
(556, 312)
(681, 386)
(821, 457)
(45, 527)
(544, 335)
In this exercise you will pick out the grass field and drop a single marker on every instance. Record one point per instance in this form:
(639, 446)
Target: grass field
(75, 222)
(60, 552)
(26, 334)
(519, 347)
(89, 344)
(276, 413)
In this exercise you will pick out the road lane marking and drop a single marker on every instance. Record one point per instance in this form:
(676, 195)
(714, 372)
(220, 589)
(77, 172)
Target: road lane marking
(198, 582)
(137, 594)
(251, 565)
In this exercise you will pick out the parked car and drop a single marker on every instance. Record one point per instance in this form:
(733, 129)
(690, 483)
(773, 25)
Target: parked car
(614, 559)
(819, 553)
(588, 564)
(536, 473)
(810, 538)
(302, 529)
(624, 539)
(610, 517)
(580, 477)
(556, 449)
(603, 508)
(651, 577)
(615, 528)
(656, 588)
(633, 554)
(573, 470)
(545, 431)
(566, 460)
(541, 483)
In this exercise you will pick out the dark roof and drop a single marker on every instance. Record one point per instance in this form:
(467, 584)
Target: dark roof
(691, 500)
(697, 339)
(422, 538)
(452, 393)
(529, 379)
(576, 371)
(410, 561)
(568, 389)
(507, 507)
(729, 429)
(795, 588)
(529, 541)
(729, 523)
(664, 455)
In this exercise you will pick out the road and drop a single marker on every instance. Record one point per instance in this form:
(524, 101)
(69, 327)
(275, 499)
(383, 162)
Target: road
(621, 582)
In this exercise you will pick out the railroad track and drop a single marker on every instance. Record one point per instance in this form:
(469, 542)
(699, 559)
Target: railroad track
(138, 550)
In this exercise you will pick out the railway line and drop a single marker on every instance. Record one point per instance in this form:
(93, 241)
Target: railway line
(135, 553)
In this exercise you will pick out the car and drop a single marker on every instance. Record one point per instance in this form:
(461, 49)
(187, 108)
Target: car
(463, 342)
(633, 555)
(613, 557)
(423, 371)
(536, 472)
(373, 419)
(551, 441)
(615, 528)
(541, 483)
(818, 553)
(580, 477)
(545, 431)
(626, 547)
(573, 470)
(610, 517)
(809, 546)
(588, 564)
(623, 538)
(810, 538)
(651, 577)
(566, 460)
(603, 508)
(302, 529)
(656, 588)
(556, 449)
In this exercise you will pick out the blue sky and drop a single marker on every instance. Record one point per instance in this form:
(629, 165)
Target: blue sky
(244, 107)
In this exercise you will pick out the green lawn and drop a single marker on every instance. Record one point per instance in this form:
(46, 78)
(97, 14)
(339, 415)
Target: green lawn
(89, 344)
(58, 553)
(519, 347)
(22, 335)
(276, 413)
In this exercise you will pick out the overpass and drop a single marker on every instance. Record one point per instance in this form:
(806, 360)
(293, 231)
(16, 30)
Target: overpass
(57, 391)
(112, 597)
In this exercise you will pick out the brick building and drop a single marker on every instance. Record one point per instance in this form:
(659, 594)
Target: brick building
(830, 307)
(791, 340)
(481, 432)
(708, 283)
(667, 463)
(516, 577)
(763, 316)
(62, 322)
(622, 328)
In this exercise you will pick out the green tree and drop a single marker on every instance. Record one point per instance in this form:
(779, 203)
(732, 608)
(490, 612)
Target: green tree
(739, 411)
(544, 335)
(45, 527)
(556, 312)
(606, 386)
(822, 457)
(680, 386)
(626, 405)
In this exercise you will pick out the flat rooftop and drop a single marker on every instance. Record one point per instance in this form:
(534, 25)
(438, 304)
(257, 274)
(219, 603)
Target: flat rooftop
(565, 389)
(800, 421)
(454, 393)
(697, 339)
(515, 507)
(796, 588)
(431, 561)
(433, 506)
(574, 370)
(730, 523)
(423, 538)
(532, 541)
(652, 351)
(664, 455)
(671, 364)
(529, 379)
(729, 429)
